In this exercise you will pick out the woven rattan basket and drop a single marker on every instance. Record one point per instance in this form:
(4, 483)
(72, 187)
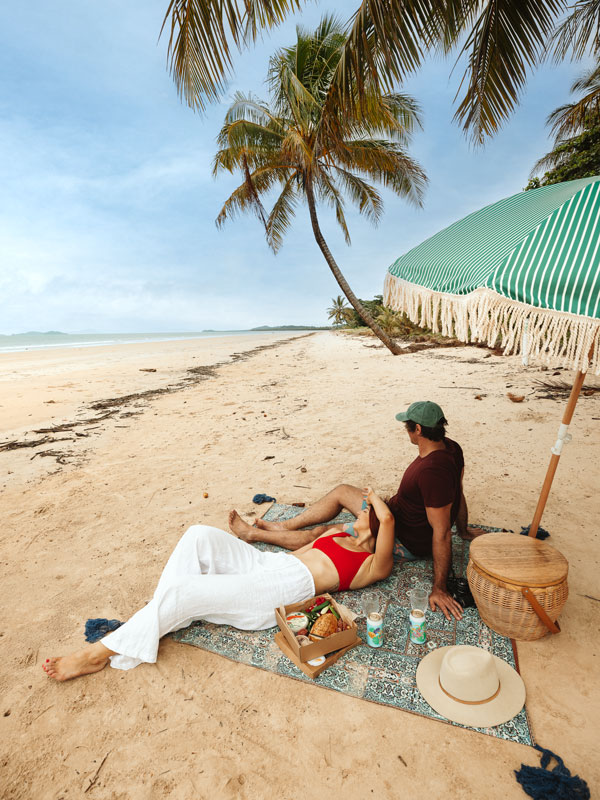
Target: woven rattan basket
(511, 575)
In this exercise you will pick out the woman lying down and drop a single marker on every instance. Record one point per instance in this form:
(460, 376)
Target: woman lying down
(213, 576)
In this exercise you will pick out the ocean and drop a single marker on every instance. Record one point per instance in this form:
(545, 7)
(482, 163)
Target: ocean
(53, 339)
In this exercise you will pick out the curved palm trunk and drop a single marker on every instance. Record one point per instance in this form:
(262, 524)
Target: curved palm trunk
(343, 284)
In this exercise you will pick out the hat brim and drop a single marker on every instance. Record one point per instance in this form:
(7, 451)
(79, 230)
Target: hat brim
(507, 703)
(402, 416)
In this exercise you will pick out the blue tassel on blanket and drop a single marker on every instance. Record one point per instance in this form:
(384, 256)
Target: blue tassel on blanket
(542, 533)
(262, 498)
(96, 629)
(554, 784)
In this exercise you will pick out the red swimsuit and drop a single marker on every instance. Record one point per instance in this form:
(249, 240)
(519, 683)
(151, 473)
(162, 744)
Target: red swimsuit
(345, 561)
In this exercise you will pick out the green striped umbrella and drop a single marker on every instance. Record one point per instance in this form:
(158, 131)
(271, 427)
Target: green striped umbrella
(526, 270)
(530, 262)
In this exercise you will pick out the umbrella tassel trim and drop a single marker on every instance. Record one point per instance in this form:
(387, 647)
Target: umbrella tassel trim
(485, 316)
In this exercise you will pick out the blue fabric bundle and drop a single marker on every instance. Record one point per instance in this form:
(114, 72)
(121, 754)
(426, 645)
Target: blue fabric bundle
(96, 629)
(262, 498)
(542, 533)
(554, 784)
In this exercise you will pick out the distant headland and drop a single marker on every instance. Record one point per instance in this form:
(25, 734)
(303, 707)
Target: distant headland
(291, 328)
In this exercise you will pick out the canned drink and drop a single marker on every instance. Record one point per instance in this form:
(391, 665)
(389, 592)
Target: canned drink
(375, 629)
(417, 626)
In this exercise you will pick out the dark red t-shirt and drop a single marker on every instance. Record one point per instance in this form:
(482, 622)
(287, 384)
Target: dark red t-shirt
(432, 481)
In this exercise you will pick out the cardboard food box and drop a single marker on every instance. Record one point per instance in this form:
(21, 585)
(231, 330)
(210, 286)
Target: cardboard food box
(313, 671)
(336, 641)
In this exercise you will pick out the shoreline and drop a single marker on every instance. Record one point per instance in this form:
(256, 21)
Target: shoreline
(100, 410)
(116, 339)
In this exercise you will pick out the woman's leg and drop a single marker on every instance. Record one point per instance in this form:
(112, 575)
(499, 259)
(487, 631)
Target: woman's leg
(204, 550)
(201, 550)
(245, 600)
(89, 659)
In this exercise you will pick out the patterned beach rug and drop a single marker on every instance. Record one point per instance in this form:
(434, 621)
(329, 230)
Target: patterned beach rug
(383, 675)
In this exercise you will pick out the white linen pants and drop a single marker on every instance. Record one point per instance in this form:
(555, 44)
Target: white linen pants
(214, 576)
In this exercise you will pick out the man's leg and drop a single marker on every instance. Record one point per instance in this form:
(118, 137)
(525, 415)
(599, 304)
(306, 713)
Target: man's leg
(343, 496)
(291, 540)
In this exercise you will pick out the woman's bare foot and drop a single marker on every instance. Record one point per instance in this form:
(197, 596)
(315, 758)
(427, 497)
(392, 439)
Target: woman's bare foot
(91, 659)
(241, 529)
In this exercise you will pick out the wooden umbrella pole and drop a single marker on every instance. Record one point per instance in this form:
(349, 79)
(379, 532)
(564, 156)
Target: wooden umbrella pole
(556, 451)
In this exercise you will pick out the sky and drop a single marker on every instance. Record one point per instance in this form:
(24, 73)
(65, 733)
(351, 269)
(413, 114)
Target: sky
(108, 204)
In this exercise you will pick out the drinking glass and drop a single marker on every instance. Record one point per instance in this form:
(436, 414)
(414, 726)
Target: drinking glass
(419, 598)
(373, 608)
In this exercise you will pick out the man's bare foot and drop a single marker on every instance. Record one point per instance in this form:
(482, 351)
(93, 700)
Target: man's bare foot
(241, 529)
(472, 533)
(83, 662)
(265, 525)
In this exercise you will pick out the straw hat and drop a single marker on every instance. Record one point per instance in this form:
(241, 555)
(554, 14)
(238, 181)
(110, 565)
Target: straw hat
(471, 686)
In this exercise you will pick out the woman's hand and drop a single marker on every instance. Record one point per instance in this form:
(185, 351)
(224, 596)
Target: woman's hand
(368, 495)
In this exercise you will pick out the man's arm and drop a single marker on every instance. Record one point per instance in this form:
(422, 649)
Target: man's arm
(439, 519)
(462, 518)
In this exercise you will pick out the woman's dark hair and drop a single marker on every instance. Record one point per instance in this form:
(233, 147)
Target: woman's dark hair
(435, 434)
(373, 522)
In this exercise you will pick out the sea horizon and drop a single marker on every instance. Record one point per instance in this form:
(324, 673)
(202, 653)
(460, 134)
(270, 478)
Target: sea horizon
(38, 340)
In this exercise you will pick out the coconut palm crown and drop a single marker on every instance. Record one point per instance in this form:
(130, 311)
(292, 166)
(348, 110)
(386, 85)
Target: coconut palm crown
(339, 312)
(313, 148)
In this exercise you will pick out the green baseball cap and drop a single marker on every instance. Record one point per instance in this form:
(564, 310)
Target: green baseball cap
(424, 412)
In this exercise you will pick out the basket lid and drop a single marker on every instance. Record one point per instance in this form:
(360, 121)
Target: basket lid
(519, 559)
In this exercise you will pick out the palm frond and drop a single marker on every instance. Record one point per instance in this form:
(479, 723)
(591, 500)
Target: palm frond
(387, 163)
(508, 39)
(579, 32)
(384, 45)
(328, 192)
(362, 194)
(296, 149)
(247, 196)
(282, 214)
(247, 140)
(249, 107)
(572, 117)
(201, 35)
(241, 200)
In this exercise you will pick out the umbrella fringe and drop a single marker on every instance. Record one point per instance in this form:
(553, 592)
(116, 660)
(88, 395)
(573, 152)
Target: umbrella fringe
(485, 316)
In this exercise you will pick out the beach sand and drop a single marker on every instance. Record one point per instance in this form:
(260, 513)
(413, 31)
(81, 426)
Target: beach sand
(89, 536)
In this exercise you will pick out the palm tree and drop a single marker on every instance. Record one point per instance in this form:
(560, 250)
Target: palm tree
(576, 127)
(316, 149)
(576, 117)
(339, 311)
(502, 41)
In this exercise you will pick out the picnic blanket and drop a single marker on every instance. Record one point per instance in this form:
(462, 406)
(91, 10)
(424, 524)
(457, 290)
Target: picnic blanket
(385, 675)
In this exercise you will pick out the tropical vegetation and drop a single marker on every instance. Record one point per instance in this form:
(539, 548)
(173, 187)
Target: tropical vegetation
(394, 323)
(314, 150)
(576, 126)
(498, 41)
(339, 312)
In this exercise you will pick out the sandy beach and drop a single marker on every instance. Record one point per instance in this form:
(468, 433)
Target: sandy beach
(129, 454)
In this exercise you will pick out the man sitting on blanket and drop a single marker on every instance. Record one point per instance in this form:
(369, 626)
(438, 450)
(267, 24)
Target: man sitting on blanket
(428, 502)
